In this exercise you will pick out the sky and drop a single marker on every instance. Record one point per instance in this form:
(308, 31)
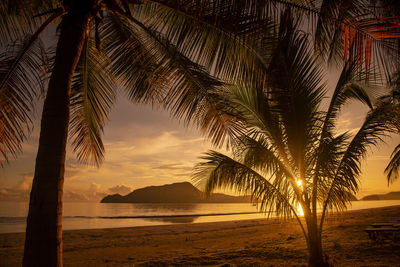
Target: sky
(147, 147)
(143, 147)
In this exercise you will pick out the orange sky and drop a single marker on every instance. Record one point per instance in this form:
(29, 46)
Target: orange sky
(146, 147)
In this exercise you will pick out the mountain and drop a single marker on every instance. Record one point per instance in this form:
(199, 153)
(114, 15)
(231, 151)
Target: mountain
(388, 196)
(172, 193)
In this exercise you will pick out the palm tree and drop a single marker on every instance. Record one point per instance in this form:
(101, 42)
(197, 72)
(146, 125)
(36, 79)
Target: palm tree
(159, 51)
(101, 45)
(286, 151)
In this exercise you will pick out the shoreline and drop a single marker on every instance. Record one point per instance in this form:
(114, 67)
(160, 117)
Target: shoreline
(76, 219)
(254, 242)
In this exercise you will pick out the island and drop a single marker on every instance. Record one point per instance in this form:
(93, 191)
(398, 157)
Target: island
(183, 192)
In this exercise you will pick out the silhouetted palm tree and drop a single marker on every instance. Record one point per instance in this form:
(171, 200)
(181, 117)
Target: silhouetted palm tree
(286, 150)
(160, 52)
(150, 50)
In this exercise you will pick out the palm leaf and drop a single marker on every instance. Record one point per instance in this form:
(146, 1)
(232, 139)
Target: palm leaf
(92, 96)
(344, 30)
(346, 89)
(376, 126)
(21, 81)
(393, 168)
(297, 97)
(354, 31)
(219, 171)
(18, 18)
(185, 87)
(132, 63)
(225, 44)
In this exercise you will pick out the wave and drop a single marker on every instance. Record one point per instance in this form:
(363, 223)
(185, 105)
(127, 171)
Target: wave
(161, 216)
(12, 219)
(23, 219)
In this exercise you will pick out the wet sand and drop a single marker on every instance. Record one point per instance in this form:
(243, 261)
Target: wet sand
(261, 242)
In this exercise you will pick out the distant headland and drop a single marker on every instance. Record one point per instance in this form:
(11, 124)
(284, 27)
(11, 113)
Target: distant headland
(388, 196)
(183, 192)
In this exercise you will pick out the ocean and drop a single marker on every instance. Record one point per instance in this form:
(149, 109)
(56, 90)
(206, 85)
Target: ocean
(109, 215)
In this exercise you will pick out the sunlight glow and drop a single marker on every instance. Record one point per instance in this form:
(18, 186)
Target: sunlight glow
(300, 184)
(299, 208)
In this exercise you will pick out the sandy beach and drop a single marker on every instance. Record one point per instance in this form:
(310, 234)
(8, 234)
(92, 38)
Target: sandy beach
(261, 242)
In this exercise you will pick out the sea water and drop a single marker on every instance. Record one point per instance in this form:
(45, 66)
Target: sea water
(113, 215)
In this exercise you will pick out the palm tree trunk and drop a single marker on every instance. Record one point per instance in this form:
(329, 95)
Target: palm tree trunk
(43, 242)
(316, 257)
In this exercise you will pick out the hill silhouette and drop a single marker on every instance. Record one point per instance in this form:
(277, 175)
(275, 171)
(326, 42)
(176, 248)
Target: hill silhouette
(388, 196)
(183, 192)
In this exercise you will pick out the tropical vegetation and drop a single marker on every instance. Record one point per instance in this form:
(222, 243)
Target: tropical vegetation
(100, 46)
(393, 99)
(78, 54)
(287, 151)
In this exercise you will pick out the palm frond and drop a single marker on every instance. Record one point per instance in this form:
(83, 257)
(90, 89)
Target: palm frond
(326, 41)
(348, 87)
(331, 151)
(252, 108)
(18, 18)
(92, 96)
(21, 81)
(154, 70)
(343, 29)
(219, 171)
(376, 126)
(133, 64)
(351, 30)
(298, 96)
(259, 154)
(219, 121)
(226, 44)
(393, 168)
(187, 89)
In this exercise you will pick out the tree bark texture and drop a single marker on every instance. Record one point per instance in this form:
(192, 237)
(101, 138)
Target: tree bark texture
(43, 242)
(316, 257)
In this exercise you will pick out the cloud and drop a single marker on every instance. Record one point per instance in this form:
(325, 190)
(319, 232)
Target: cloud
(172, 166)
(85, 196)
(93, 193)
(75, 197)
(120, 189)
(20, 191)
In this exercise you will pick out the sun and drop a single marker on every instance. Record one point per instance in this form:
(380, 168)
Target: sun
(299, 208)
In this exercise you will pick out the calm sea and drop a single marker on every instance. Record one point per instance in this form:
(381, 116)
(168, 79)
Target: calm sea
(107, 215)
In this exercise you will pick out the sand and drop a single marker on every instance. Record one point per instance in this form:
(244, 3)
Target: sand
(261, 242)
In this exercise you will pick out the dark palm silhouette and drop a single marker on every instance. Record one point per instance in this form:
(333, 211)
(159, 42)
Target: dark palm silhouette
(393, 99)
(148, 50)
(160, 52)
(286, 151)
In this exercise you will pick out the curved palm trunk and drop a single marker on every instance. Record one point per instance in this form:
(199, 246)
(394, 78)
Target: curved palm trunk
(43, 243)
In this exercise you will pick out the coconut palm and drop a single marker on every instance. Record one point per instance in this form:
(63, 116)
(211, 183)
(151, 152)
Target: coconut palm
(287, 152)
(100, 45)
(159, 52)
